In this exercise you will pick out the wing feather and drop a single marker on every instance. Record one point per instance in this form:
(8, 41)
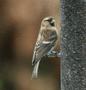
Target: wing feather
(44, 44)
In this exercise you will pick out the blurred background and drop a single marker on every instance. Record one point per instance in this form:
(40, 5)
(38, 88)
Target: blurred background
(19, 26)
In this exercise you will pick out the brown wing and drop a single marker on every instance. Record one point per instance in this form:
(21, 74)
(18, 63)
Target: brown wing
(41, 49)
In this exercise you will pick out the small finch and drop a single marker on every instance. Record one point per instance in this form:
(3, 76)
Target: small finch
(46, 41)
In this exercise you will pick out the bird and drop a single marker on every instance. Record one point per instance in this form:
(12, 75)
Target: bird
(46, 42)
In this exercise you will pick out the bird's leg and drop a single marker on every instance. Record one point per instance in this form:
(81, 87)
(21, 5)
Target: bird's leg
(54, 54)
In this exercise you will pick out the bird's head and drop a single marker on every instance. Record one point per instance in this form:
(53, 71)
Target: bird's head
(48, 22)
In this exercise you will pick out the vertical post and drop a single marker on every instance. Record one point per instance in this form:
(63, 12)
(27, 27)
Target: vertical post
(73, 45)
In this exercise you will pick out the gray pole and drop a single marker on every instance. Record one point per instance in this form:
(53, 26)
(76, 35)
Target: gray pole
(73, 45)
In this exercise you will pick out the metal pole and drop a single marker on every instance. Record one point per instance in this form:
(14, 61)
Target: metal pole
(73, 45)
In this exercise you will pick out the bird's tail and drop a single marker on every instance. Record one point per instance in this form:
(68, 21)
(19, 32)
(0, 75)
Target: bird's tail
(35, 70)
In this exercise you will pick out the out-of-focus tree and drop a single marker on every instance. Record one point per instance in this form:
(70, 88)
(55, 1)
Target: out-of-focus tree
(19, 26)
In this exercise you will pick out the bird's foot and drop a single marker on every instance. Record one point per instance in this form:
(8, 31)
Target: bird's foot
(54, 54)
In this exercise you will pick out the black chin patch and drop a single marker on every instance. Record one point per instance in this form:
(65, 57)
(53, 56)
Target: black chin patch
(52, 24)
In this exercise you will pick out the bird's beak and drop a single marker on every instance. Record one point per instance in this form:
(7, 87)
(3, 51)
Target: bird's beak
(53, 21)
